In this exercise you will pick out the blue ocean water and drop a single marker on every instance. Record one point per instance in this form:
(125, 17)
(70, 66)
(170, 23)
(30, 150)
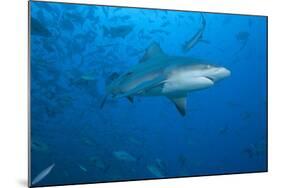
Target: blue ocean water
(73, 51)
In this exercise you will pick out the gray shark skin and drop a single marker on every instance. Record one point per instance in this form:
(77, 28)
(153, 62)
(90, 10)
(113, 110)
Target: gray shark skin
(159, 74)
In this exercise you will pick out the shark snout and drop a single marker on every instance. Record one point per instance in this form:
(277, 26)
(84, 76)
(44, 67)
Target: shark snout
(219, 73)
(224, 72)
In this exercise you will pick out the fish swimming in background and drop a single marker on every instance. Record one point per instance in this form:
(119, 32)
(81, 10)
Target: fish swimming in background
(54, 10)
(223, 130)
(39, 146)
(182, 160)
(242, 37)
(196, 38)
(105, 11)
(164, 24)
(155, 171)
(124, 18)
(226, 20)
(98, 163)
(117, 9)
(82, 168)
(159, 74)
(160, 31)
(75, 17)
(191, 18)
(120, 18)
(124, 156)
(160, 165)
(117, 31)
(43, 174)
(47, 45)
(250, 22)
(38, 29)
(255, 150)
(66, 24)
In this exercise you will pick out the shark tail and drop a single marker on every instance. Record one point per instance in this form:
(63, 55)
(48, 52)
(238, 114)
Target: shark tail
(203, 20)
(108, 81)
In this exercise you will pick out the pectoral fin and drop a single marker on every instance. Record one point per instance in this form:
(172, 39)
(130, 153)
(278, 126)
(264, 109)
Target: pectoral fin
(180, 103)
(131, 99)
(103, 101)
(144, 86)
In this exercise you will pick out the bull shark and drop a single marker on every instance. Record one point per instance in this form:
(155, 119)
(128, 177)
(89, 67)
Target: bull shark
(160, 74)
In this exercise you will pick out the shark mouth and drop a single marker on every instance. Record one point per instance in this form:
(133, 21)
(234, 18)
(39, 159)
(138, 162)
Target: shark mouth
(210, 78)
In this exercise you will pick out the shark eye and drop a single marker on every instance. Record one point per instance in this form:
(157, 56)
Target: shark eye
(207, 66)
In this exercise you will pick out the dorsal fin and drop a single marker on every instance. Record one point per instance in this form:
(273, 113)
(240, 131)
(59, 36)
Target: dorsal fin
(180, 103)
(152, 51)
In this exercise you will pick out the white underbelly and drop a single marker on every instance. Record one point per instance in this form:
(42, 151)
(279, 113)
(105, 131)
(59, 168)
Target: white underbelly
(178, 85)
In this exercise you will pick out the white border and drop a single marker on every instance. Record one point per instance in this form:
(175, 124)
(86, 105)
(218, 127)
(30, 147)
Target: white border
(13, 95)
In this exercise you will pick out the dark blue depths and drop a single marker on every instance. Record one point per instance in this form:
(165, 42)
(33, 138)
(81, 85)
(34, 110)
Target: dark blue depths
(74, 48)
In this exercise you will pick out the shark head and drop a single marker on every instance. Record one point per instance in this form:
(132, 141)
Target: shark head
(215, 73)
(195, 70)
(186, 77)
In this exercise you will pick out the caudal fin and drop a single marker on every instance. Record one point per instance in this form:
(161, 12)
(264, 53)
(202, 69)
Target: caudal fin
(203, 20)
(108, 81)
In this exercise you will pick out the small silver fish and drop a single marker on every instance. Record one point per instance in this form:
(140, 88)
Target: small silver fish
(82, 168)
(123, 155)
(155, 171)
(43, 174)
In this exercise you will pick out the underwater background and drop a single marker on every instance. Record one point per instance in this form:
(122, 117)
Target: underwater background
(75, 48)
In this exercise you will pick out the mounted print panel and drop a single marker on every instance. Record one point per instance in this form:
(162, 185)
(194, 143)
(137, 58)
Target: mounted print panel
(119, 94)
